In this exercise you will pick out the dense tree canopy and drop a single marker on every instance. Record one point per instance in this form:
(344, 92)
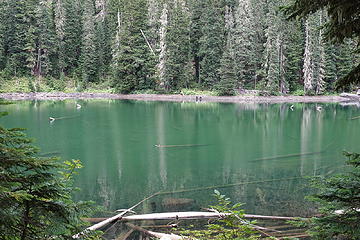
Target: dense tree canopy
(168, 45)
(343, 22)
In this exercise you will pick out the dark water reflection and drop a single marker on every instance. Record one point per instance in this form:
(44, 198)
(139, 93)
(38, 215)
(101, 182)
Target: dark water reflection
(256, 144)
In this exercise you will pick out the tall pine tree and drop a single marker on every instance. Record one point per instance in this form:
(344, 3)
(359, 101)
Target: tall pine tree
(211, 43)
(88, 49)
(135, 65)
(177, 66)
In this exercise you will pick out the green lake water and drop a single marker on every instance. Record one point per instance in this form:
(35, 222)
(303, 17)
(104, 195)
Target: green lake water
(256, 154)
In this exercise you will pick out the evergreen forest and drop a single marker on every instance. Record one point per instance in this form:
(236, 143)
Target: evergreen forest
(226, 46)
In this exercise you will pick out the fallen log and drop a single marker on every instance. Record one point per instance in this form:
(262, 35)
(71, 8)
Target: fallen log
(155, 234)
(111, 219)
(175, 216)
(197, 215)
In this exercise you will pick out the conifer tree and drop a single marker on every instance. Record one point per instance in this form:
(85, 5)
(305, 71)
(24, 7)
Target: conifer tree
(2, 35)
(35, 194)
(88, 49)
(273, 63)
(342, 23)
(211, 43)
(178, 50)
(103, 39)
(20, 37)
(294, 55)
(197, 20)
(135, 64)
(154, 13)
(46, 51)
(72, 35)
(227, 70)
(244, 38)
(59, 22)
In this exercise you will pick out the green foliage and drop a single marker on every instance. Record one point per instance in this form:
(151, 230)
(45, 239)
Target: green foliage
(194, 91)
(298, 92)
(211, 43)
(227, 71)
(88, 50)
(232, 226)
(70, 37)
(339, 201)
(35, 194)
(92, 41)
(342, 23)
(135, 66)
(177, 65)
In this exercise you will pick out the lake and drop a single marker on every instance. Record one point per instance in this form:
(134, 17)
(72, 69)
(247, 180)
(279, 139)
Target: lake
(257, 154)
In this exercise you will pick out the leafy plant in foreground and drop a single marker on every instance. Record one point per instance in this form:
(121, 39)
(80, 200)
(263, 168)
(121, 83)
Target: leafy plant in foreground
(232, 226)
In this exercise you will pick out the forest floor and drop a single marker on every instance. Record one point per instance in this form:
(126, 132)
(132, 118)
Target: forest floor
(172, 98)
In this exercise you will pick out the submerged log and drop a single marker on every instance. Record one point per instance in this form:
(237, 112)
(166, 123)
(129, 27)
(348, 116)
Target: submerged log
(156, 234)
(287, 156)
(355, 118)
(181, 145)
(124, 237)
(51, 119)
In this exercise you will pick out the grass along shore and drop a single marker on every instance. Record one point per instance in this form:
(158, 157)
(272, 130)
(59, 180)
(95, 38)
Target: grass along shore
(55, 89)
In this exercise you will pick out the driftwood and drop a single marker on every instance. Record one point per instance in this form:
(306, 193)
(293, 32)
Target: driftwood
(355, 118)
(350, 96)
(155, 234)
(111, 219)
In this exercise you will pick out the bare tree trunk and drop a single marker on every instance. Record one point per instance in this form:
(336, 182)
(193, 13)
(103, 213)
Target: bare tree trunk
(26, 221)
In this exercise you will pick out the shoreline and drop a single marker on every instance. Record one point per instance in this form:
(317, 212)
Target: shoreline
(173, 97)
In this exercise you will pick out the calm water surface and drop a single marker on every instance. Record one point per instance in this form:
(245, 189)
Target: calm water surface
(254, 153)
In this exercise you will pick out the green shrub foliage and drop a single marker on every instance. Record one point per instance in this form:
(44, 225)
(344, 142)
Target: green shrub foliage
(339, 198)
(35, 192)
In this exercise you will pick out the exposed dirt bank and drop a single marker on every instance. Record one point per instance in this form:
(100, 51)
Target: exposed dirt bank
(174, 98)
